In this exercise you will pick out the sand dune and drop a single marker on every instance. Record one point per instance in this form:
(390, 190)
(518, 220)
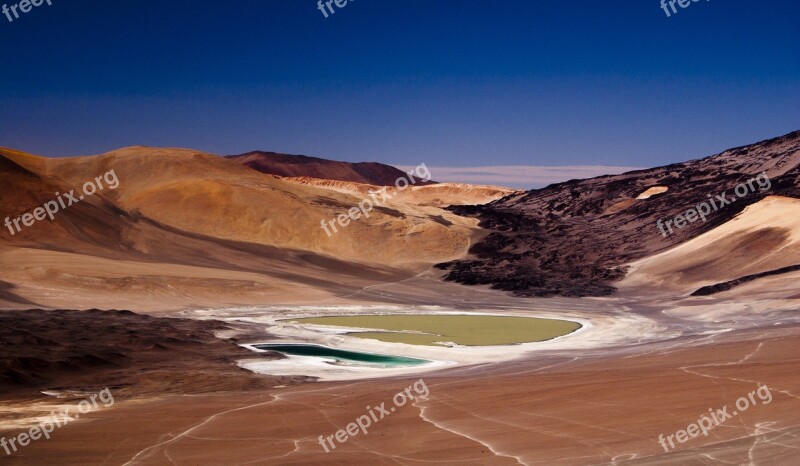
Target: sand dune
(764, 237)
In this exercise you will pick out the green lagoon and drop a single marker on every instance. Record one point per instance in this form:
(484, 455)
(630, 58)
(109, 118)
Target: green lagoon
(466, 330)
(341, 355)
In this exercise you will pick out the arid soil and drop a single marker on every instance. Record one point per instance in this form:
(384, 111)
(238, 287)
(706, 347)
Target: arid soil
(564, 407)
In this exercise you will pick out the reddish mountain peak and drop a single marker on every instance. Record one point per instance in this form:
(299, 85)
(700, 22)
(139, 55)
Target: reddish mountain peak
(274, 163)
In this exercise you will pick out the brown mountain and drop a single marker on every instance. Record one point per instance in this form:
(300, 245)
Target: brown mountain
(186, 228)
(287, 165)
(574, 238)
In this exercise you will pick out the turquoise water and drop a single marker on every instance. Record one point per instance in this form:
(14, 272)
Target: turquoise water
(341, 355)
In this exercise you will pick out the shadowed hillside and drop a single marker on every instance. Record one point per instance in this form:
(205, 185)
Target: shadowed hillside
(120, 349)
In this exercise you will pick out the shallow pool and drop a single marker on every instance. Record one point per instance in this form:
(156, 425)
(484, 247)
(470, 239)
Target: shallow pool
(341, 355)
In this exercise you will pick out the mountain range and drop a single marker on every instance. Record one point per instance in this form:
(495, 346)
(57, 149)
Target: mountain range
(251, 224)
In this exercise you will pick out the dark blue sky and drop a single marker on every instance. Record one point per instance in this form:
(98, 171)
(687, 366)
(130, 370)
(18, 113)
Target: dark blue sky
(446, 82)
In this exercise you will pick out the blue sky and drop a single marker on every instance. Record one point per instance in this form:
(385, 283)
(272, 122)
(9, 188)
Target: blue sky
(445, 82)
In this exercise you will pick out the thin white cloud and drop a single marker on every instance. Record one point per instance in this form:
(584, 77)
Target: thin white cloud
(520, 176)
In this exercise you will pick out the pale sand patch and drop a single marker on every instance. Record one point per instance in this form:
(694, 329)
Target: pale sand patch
(650, 192)
(436, 195)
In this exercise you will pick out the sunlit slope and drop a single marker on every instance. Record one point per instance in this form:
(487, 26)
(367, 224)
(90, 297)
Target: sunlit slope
(764, 237)
(208, 195)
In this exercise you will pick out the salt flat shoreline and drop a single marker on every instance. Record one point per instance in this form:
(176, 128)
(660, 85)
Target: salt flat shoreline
(594, 332)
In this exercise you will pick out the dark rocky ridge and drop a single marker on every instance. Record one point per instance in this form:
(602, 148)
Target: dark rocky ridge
(128, 352)
(730, 284)
(573, 238)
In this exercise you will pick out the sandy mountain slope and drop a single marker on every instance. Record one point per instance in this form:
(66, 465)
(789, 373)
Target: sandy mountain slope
(763, 238)
(574, 238)
(287, 165)
(95, 221)
(204, 194)
(189, 227)
(96, 254)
